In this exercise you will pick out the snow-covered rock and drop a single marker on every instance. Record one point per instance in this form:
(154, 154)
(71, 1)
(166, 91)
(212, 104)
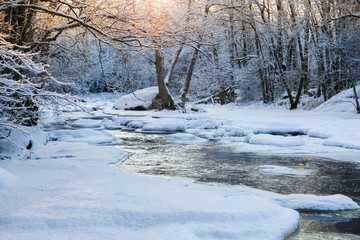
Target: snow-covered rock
(185, 138)
(112, 125)
(138, 100)
(165, 126)
(236, 132)
(86, 123)
(313, 202)
(220, 133)
(280, 141)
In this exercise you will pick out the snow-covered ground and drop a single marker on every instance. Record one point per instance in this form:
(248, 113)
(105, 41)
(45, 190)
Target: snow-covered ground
(68, 189)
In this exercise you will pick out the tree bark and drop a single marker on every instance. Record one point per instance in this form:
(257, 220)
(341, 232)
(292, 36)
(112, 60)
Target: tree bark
(164, 99)
(172, 65)
(189, 74)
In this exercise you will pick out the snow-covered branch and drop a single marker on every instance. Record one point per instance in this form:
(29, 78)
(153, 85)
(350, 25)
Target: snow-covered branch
(23, 83)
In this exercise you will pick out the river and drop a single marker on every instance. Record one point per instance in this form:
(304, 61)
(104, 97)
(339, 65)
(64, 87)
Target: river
(151, 154)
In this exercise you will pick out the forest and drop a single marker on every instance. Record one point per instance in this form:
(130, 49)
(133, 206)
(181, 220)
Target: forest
(193, 50)
(179, 119)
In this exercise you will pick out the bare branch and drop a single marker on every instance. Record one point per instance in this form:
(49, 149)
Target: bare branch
(7, 5)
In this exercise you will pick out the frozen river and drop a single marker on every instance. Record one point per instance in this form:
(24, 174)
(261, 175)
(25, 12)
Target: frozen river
(152, 154)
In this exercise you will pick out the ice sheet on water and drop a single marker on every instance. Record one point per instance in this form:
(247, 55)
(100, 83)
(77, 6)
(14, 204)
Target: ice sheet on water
(280, 170)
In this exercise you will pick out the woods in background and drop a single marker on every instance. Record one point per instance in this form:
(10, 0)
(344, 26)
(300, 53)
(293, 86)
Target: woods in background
(262, 49)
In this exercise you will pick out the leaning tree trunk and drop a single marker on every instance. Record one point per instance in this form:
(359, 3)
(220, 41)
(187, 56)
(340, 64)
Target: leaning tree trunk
(189, 74)
(172, 65)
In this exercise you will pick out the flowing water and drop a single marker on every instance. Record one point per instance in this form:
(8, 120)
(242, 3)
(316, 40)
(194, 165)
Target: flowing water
(151, 154)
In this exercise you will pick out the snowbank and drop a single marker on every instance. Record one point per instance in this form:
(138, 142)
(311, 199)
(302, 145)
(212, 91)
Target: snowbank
(84, 135)
(343, 143)
(6, 178)
(342, 102)
(68, 191)
(22, 139)
(138, 100)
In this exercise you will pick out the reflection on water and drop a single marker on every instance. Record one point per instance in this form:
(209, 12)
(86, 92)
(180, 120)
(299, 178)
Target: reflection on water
(212, 162)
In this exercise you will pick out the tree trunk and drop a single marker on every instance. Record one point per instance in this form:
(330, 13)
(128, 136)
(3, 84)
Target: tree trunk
(189, 74)
(357, 105)
(164, 99)
(172, 65)
(190, 71)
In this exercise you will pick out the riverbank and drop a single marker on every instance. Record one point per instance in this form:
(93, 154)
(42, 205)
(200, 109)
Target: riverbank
(67, 190)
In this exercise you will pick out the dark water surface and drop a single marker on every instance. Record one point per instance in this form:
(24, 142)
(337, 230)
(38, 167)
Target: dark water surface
(151, 154)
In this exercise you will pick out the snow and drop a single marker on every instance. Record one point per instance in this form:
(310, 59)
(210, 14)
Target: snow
(6, 178)
(260, 129)
(68, 188)
(281, 141)
(68, 191)
(341, 103)
(18, 139)
(111, 125)
(318, 203)
(140, 98)
(84, 135)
